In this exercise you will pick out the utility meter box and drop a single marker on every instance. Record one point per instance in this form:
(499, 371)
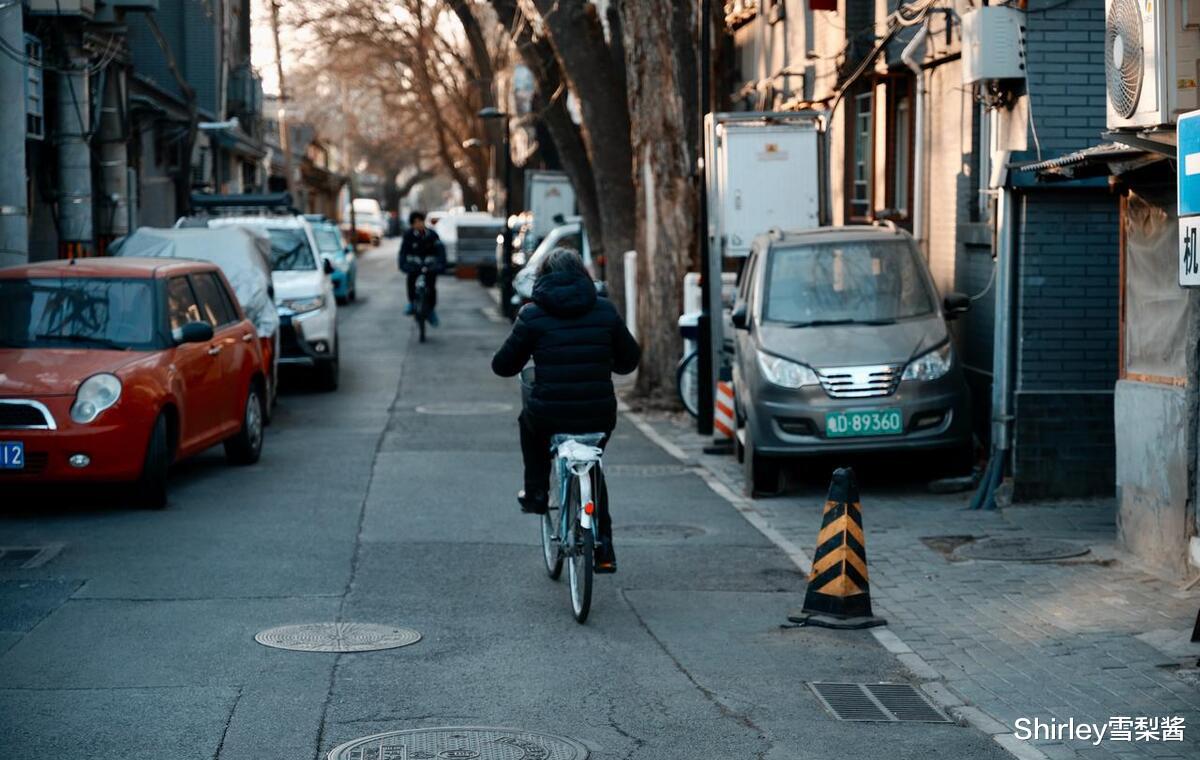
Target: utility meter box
(993, 45)
(763, 171)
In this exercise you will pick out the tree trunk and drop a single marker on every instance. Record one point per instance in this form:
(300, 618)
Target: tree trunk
(578, 39)
(538, 55)
(655, 45)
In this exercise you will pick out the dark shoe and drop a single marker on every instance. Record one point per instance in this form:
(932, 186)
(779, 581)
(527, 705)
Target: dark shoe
(534, 503)
(606, 557)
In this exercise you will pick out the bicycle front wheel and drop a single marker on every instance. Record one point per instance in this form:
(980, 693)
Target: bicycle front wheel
(687, 382)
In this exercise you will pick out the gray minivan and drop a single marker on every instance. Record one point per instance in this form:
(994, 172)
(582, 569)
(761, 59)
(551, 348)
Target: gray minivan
(841, 345)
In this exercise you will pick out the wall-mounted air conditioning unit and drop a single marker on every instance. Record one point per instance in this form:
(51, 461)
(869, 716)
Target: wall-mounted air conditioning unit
(993, 43)
(1152, 61)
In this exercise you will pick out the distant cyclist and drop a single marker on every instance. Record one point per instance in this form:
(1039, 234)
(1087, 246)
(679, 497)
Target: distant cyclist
(576, 340)
(420, 243)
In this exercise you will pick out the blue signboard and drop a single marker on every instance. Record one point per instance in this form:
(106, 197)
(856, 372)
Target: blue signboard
(1188, 172)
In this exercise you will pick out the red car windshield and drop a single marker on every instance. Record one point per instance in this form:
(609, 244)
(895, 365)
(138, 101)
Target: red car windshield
(78, 312)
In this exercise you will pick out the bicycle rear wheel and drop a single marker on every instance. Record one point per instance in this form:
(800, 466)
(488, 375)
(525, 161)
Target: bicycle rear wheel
(581, 559)
(687, 382)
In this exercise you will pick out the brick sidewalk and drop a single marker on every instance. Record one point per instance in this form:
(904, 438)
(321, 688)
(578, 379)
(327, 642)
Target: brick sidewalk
(1089, 639)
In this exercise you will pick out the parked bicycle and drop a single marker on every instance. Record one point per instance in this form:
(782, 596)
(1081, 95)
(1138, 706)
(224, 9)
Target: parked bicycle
(569, 528)
(687, 382)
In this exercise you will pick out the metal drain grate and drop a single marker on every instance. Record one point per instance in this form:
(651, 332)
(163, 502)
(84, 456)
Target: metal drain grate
(27, 557)
(877, 702)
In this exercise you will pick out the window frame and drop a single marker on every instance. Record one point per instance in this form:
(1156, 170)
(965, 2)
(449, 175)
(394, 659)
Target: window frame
(222, 297)
(854, 117)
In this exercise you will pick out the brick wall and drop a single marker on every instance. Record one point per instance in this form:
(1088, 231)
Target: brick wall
(1067, 321)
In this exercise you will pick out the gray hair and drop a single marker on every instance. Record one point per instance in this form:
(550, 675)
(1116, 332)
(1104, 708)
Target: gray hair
(563, 260)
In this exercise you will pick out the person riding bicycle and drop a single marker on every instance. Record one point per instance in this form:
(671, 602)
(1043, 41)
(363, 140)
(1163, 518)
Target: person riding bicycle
(576, 340)
(420, 243)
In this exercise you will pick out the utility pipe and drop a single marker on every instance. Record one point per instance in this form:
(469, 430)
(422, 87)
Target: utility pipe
(913, 55)
(75, 231)
(14, 234)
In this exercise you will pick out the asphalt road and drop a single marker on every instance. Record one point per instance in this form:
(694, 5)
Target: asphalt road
(371, 504)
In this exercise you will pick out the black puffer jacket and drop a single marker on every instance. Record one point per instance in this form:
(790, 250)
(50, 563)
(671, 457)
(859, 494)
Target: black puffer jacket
(576, 340)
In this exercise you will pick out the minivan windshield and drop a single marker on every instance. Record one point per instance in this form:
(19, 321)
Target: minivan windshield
(850, 282)
(77, 312)
(290, 251)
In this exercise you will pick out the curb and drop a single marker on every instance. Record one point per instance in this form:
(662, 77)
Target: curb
(931, 680)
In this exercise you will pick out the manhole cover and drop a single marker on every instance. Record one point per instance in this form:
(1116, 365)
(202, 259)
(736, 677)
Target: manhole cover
(659, 532)
(880, 702)
(645, 470)
(461, 744)
(337, 637)
(464, 408)
(1020, 549)
(27, 557)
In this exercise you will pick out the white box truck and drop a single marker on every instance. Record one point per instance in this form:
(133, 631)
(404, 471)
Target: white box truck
(764, 170)
(548, 195)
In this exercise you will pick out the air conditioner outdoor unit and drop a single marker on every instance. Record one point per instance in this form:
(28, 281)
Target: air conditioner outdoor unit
(1152, 61)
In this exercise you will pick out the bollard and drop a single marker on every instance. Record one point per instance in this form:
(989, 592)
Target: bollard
(839, 593)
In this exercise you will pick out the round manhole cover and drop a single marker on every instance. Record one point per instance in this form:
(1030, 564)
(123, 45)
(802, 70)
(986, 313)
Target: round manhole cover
(461, 744)
(645, 470)
(337, 637)
(1018, 549)
(464, 408)
(659, 532)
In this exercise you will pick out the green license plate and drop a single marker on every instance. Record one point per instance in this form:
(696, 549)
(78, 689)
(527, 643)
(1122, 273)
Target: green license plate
(866, 422)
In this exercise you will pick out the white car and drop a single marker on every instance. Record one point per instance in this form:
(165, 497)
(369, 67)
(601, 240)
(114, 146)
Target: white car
(570, 235)
(303, 287)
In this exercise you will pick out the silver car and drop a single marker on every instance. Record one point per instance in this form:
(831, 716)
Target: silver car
(841, 345)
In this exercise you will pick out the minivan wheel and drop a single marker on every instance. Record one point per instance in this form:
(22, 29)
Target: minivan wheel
(762, 474)
(150, 489)
(245, 447)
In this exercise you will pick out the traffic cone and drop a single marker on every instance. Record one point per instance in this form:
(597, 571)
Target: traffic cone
(839, 594)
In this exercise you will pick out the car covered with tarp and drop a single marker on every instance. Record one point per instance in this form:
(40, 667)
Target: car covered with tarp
(244, 256)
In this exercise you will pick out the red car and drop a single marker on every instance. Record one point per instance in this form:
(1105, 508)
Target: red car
(112, 369)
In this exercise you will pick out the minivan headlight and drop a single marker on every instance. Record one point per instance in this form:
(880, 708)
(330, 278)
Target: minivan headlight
(784, 373)
(929, 366)
(95, 394)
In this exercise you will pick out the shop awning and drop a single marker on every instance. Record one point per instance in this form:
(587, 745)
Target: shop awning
(1104, 160)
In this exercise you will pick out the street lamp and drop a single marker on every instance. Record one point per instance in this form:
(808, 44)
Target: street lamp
(505, 275)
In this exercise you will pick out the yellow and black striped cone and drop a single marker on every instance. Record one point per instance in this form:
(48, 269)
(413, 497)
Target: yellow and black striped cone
(839, 593)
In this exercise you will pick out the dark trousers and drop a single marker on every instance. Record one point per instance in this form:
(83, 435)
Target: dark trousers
(535, 450)
(430, 288)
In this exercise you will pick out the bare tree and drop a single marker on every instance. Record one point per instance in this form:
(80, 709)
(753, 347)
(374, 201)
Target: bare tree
(587, 64)
(660, 61)
(427, 78)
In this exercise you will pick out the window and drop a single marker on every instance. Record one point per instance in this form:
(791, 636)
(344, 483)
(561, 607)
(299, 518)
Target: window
(845, 282)
(214, 304)
(181, 304)
(901, 174)
(77, 312)
(328, 240)
(290, 251)
(860, 162)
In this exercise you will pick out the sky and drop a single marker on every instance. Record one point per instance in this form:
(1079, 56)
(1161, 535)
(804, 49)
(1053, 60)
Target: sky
(262, 47)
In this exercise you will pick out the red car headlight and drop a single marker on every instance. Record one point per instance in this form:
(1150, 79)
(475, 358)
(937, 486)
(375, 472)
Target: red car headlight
(95, 394)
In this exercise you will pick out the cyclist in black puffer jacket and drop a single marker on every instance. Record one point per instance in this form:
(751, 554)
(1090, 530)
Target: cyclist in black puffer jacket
(576, 340)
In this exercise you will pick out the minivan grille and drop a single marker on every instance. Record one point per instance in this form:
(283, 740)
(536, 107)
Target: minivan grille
(860, 382)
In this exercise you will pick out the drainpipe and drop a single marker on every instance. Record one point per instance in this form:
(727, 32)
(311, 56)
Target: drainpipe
(14, 233)
(75, 232)
(114, 156)
(913, 55)
(1002, 345)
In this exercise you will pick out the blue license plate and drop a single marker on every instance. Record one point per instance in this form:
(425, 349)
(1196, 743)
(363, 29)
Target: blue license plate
(12, 455)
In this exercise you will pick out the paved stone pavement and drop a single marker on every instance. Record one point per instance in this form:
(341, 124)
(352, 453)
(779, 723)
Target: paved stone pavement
(1090, 639)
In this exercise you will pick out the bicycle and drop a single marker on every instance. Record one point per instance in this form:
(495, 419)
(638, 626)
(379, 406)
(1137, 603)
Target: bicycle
(569, 527)
(687, 382)
(421, 309)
